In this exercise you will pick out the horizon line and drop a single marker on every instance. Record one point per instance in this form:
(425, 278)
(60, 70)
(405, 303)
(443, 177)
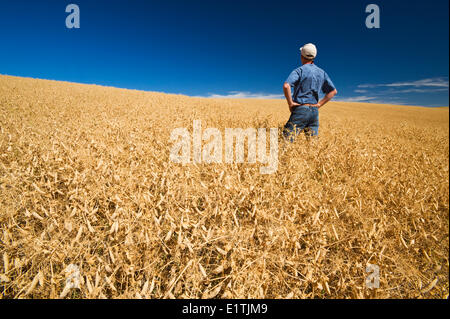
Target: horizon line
(209, 97)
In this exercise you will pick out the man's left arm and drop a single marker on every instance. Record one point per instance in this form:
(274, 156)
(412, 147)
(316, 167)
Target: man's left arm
(287, 95)
(290, 82)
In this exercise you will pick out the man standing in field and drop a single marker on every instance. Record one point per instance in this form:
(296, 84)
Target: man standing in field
(304, 103)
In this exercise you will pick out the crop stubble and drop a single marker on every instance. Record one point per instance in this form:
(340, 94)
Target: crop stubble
(85, 179)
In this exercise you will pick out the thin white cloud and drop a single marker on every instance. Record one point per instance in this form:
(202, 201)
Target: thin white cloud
(390, 101)
(432, 82)
(372, 99)
(245, 95)
(361, 98)
(361, 91)
(416, 91)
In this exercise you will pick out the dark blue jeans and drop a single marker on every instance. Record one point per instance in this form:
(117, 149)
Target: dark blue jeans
(303, 118)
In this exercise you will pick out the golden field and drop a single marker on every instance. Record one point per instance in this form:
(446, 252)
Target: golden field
(85, 179)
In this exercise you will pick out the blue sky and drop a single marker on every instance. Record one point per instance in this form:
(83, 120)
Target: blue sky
(232, 48)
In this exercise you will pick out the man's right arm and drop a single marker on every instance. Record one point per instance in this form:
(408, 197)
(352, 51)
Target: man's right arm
(327, 98)
(329, 89)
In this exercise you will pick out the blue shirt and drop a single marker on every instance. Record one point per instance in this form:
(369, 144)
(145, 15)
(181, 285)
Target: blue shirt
(307, 81)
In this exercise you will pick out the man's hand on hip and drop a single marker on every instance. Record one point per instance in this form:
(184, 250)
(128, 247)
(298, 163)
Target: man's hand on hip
(292, 106)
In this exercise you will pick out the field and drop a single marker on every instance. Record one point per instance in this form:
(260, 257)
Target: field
(86, 180)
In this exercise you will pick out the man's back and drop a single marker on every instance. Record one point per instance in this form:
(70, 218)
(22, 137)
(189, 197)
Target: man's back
(307, 81)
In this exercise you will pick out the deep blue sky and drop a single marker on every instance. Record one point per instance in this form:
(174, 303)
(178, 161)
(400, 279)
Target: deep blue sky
(216, 47)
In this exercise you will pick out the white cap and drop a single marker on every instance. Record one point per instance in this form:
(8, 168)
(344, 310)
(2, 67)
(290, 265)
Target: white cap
(309, 51)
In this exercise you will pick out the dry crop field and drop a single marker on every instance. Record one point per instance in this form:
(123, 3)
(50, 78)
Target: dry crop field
(85, 179)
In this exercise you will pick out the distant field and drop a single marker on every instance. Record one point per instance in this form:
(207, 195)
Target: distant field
(85, 179)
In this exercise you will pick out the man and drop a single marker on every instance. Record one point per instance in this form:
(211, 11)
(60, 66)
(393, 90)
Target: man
(307, 81)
